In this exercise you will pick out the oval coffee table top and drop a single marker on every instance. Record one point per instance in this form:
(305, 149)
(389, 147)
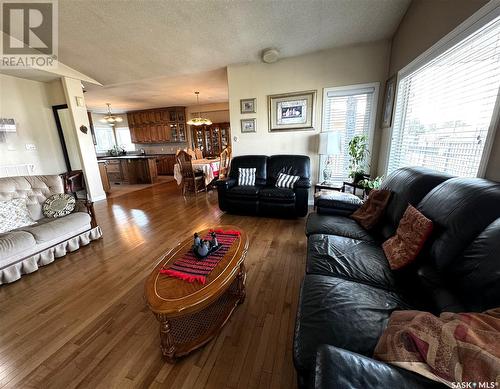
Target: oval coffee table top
(173, 296)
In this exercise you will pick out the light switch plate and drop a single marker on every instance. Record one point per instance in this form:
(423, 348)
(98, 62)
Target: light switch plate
(79, 101)
(30, 146)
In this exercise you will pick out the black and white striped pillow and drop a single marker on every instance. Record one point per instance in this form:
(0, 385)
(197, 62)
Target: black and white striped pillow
(246, 176)
(286, 180)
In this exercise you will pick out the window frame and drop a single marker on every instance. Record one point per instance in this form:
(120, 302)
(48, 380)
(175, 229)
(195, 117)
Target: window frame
(373, 114)
(483, 16)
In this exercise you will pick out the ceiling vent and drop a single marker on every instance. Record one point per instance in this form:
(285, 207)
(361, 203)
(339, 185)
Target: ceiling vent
(270, 55)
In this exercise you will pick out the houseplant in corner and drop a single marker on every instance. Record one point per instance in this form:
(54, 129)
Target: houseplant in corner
(358, 151)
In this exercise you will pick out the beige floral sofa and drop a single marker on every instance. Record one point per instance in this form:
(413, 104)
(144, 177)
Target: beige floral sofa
(25, 249)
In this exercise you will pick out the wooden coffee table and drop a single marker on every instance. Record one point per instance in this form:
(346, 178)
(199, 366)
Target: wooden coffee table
(191, 314)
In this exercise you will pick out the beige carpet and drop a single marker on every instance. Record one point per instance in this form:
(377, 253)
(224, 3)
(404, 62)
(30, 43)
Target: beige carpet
(121, 189)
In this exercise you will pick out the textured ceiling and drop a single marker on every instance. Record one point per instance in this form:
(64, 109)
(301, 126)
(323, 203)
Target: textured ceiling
(133, 44)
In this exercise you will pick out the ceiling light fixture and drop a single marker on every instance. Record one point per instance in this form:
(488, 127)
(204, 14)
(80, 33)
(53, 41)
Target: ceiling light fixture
(110, 118)
(199, 121)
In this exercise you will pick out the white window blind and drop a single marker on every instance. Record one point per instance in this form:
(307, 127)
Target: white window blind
(350, 112)
(444, 109)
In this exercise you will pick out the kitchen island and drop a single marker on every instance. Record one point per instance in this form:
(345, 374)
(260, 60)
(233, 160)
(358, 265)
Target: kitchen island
(131, 169)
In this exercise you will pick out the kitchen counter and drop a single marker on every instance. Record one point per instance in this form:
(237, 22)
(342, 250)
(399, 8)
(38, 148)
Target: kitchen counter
(130, 169)
(129, 157)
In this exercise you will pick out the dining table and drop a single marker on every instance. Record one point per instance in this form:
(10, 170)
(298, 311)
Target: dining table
(209, 167)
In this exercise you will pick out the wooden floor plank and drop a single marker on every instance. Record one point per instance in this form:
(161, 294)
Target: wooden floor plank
(81, 322)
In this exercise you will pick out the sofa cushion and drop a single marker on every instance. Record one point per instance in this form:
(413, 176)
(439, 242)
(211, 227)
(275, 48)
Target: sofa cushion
(460, 208)
(294, 165)
(337, 200)
(52, 229)
(243, 191)
(413, 230)
(15, 242)
(408, 185)
(246, 176)
(276, 194)
(349, 258)
(341, 313)
(14, 214)
(259, 162)
(336, 225)
(58, 205)
(372, 209)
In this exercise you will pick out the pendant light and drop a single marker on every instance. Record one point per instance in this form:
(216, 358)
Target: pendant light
(110, 118)
(199, 121)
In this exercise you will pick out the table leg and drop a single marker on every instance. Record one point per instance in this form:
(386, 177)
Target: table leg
(166, 340)
(241, 279)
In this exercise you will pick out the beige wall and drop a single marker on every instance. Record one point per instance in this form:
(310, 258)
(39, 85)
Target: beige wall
(337, 67)
(425, 23)
(30, 104)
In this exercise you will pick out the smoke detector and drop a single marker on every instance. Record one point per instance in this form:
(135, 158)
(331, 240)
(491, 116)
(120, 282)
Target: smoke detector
(270, 55)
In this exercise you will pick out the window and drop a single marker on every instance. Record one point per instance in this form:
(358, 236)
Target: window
(350, 111)
(123, 138)
(107, 137)
(444, 109)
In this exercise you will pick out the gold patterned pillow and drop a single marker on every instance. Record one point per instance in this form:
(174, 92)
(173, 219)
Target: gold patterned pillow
(14, 214)
(413, 230)
(58, 205)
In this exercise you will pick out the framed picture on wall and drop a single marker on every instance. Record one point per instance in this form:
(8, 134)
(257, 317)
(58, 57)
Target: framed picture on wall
(390, 93)
(248, 125)
(247, 105)
(291, 111)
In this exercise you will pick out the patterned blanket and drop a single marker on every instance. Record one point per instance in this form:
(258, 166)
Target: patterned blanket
(451, 348)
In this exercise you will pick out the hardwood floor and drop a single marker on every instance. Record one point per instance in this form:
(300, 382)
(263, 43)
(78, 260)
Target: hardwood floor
(82, 321)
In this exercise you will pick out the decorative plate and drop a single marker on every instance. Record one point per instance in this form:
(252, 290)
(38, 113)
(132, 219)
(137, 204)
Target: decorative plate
(58, 205)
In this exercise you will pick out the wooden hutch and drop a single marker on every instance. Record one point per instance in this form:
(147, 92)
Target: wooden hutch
(211, 139)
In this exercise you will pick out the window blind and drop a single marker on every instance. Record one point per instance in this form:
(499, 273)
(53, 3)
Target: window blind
(348, 111)
(444, 109)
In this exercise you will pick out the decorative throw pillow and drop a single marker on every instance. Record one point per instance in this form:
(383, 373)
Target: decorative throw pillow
(246, 176)
(372, 209)
(286, 180)
(58, 205)
(413, 230)
(14, 214)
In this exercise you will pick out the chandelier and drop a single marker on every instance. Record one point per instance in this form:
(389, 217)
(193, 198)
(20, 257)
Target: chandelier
(110, 118)
(199, 121)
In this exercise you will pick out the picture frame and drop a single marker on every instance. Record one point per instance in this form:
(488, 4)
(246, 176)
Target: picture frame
(248, 125)
(389, 95)
(291, 111)
(248, 105)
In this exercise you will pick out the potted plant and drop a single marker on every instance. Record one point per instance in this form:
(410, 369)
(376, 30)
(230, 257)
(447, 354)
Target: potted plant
(369, 184)
(358, 151)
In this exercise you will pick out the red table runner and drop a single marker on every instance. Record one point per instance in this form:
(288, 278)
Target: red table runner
(189, 268)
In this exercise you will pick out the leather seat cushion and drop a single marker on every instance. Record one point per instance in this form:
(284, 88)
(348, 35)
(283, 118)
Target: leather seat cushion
(341, 313)
(243, 191)
(336, 225)
(50, 229)
(272, 193)
(349, 258)
(14, 242)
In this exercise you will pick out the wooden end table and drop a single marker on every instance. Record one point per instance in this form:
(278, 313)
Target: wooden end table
(191, 314)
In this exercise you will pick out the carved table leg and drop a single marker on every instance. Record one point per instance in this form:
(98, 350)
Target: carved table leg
(167, 342)
(241, 278)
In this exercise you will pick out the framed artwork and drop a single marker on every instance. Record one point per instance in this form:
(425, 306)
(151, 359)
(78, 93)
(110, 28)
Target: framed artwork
(248, 125)
(390, 93)
(291, 111)
(247, 105)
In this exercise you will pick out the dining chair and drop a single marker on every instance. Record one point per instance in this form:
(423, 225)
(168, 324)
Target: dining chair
(224, 164)
(190, 178)
(198, 153)
(191, 153)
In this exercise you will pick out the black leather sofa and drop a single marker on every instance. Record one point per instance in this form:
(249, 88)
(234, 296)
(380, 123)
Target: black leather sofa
(264, 197)
(349, 291)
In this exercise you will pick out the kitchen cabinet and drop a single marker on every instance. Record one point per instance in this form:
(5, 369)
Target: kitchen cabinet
(212, 139)
(103, 172)
(130, 170)
(159, 125)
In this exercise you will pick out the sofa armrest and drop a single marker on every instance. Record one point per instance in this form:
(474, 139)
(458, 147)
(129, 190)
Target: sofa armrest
(83, 205)
(303, 183)
(339, 368)
(226, 183)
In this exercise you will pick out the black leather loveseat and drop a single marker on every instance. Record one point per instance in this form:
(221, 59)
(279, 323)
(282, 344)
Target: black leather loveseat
(264, 197)
(349, 291)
